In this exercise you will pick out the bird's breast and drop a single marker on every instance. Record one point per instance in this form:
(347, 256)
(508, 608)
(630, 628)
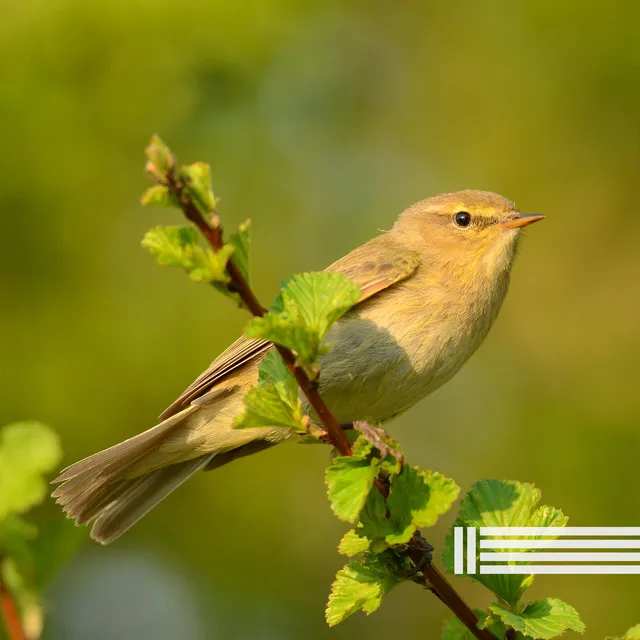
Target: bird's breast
(401, 346)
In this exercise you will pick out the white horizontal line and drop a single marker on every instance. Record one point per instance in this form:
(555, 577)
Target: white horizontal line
(555, 556)
(560, 531)
(564, 569)
(560, 544)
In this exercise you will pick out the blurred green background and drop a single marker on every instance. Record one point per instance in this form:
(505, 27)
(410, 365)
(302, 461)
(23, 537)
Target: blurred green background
(322, 121)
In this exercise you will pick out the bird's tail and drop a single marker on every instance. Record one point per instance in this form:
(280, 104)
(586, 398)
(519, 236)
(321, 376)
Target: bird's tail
(116, 487)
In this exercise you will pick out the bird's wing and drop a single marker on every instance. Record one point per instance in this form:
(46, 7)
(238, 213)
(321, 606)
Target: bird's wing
(238, 353)
(374, 266)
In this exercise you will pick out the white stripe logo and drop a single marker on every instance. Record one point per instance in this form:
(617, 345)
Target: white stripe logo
(503, 551)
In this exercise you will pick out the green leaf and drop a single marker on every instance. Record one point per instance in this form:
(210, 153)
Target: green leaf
(210, 266)
(197, 180)
(240, 243)
(269, 406)
(274, 369)
(16, 536)
(28, 450)
(373, 521)
(178, 246)
(454, 629)
(274, 402)
(352, 544)
(417, 499)
(391, 465)
(349, 480)
(14, 532)
(359, 586)
(632, 634)
(503, 503)
(171, 245)
(160, 160)
(158, 195)
(303, 312)
(544, 619)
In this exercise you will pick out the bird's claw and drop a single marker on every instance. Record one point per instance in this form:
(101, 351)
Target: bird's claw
(377, 437)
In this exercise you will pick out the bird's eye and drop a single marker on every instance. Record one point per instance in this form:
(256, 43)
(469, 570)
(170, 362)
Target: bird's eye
(462, 219)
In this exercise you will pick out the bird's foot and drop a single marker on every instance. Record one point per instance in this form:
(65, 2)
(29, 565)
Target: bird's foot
(378, 438)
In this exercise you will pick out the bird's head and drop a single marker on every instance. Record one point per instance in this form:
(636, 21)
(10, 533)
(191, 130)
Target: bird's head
(473, 230)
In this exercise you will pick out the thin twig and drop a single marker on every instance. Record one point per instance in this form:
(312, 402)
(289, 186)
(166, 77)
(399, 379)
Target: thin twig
(213, 233)
(10, 615)
(440, 586)
(431, 578)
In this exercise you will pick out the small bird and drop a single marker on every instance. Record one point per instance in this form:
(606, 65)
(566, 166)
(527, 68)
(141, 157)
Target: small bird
(431, 288)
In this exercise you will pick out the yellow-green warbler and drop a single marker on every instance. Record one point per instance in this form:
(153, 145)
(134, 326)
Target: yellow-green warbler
(431, 288)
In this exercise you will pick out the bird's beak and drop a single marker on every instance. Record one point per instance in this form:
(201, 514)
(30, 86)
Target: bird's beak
(521, 220)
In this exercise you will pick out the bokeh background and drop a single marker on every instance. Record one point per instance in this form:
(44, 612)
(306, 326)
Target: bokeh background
(322, 120)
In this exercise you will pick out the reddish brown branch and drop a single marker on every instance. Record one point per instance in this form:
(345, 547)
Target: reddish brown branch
(439, 585)
(10, 615)
(213, 234)
(332, 426)
(431, 578)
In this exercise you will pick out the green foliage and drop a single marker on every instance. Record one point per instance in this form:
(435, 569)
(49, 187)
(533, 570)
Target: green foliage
(240, 243)
(274, 401)
(197, 180)
(304, 310)
(159, 195)
(372, 488)
(180, 247)
(160, 160)
(417, 499)
(349, 480)
(359, 586)
(18, 584)
(453, 629)
(373, 521)
(544, 619)
(352, 544)
(55, 121)
(502, 503)
(27, 451)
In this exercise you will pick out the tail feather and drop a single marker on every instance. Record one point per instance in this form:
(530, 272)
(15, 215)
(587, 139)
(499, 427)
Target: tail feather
(141, 496)
(93, 503)
(123, 453)
(102, 485)
(81, 494)
(116, 487)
